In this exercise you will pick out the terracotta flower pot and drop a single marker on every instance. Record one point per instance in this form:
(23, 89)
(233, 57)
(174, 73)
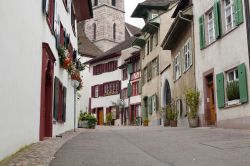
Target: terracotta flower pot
(173, 123)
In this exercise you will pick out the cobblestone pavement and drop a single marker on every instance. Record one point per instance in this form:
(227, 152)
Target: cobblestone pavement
(156, 146)
(41, 153)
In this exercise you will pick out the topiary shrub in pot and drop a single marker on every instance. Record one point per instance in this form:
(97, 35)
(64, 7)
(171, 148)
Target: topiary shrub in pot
(192, 99)
(86, 120)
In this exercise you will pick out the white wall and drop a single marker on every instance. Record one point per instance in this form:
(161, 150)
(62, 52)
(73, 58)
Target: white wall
(24, 29)
(226, 53)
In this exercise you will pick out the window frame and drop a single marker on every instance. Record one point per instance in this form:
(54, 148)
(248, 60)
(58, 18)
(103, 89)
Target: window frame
(208, 22)
(232, 14)
(177, 65)
(187, 54)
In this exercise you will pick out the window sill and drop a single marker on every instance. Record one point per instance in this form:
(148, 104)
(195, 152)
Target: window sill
(187, 69)
(233, 103)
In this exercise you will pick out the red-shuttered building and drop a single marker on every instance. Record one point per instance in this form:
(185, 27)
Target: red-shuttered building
(41, 46)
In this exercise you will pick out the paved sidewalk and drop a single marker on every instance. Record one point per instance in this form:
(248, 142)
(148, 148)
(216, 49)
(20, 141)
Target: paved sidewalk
(41, 153)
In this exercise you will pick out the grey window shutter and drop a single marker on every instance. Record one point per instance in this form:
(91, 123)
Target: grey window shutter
(64, 104)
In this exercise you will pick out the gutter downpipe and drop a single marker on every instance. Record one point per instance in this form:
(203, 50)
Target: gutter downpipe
(247, 15)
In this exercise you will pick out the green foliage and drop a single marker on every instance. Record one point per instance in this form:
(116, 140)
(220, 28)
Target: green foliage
(172, 112)
(233, 91)
(109, 118)
(62, 54)
(192, 98)
(87, 117)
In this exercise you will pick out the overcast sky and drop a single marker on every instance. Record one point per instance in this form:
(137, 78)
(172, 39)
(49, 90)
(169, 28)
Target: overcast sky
(130, 5)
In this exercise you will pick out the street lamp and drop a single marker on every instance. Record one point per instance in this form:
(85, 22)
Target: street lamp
(75, 84)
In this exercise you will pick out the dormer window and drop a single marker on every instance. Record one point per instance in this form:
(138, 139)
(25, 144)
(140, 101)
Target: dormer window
(113, 2)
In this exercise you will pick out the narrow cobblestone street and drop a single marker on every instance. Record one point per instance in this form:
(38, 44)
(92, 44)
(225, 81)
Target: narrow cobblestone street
(156, 146)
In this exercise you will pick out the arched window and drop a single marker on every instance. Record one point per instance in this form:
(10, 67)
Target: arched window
(114, 31)
(95, 2)
(94, 31)
(113, 2)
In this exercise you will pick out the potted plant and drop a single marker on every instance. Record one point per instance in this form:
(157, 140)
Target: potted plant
(145, 122)
(109, 119)
(172, 115)
(86, 120)
(233, 92)
(83, 120)
(192, 99)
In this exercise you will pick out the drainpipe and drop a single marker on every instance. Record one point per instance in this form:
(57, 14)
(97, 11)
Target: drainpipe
(247, 15)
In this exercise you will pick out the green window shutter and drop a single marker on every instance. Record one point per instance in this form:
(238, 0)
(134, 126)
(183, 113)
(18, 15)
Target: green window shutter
(56, 98)
(238, 10)
(150, 105)
(129, 89)
(243, 83)
(217, 18)
(130, 68)
(64, 104)
(220, 90)
(202, 32)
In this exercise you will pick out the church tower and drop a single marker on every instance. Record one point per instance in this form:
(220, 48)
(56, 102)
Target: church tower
(107, 28)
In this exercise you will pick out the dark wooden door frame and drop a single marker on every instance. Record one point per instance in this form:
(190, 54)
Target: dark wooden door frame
(47, 75)
(205, 91)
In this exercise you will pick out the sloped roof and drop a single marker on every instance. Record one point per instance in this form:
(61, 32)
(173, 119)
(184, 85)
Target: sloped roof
(135, 31)
(113, 52)
(140, 10)
(85, 46)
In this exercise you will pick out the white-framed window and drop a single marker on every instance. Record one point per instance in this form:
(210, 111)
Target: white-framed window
(177, 67)
(232, 88)
(232, 75)
(210, 27)
(154, 67)
(187, 52)
(97, 91)
(229, 14)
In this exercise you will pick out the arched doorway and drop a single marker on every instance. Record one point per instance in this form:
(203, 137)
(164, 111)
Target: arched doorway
(167, 93)
(46, 92)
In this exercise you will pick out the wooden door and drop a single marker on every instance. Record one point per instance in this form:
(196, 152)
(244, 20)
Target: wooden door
(100, 117)
(211, 105)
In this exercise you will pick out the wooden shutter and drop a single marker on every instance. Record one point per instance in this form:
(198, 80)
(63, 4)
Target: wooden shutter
(129, 89)
(243, 83)
(202, 32)
(64, 104)
(217, 19)
(220, 90)
(93, 91)
(238, 10)
(56, 98)
(100, 90)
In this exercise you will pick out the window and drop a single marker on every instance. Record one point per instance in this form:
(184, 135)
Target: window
(154, 103)
(113, 2)
(135, 88)
(155, 39)
(95, 2)
(94, 31)
(60, 92)
(136, 66)
(187, 50)
(229, 14)
(124, 74)
(177, 67)
(114, 31)
(112, 88)
(97, 91)
(73, 19)
(145, 75)
(154, 67)
(210, 27)
(236, 89)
